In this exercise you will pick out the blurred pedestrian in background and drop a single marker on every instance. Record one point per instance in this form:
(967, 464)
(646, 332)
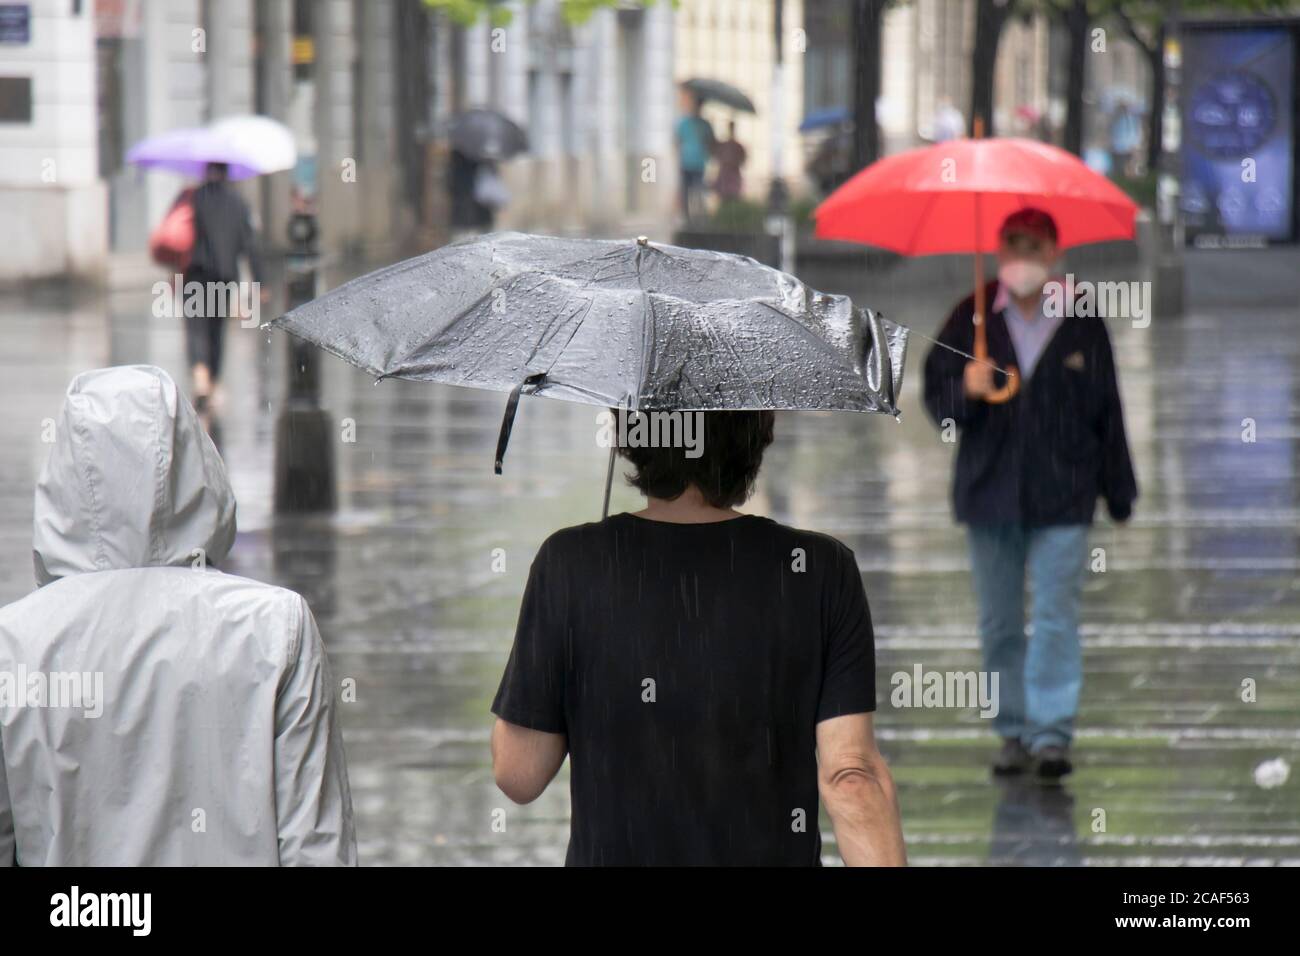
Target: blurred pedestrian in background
(832, 162)
(708, 672)
(223, 235)
(477, 194)
(1028, 476)
(695, 142)
(1125, 137)
(200, 728)
(730, 156)
(948, 122)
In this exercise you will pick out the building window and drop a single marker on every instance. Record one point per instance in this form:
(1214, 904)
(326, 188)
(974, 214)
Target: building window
(15, 99)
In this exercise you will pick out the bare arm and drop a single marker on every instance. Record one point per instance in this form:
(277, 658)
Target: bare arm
(524, 761)
(858, 791)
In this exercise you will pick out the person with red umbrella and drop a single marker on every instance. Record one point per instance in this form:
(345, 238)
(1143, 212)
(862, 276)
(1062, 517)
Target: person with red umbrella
(1033, 394)
(1029, 472)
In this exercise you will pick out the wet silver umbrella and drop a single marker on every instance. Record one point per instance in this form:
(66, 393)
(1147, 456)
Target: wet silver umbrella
(629, 324)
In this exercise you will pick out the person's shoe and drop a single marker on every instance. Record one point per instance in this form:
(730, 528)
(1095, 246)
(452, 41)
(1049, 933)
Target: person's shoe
(1052, 763)
(1012, 759)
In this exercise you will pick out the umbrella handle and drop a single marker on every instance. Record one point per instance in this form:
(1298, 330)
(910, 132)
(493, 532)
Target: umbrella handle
(1007, 391)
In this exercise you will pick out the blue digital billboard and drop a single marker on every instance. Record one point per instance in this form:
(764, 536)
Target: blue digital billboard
(1238, 135)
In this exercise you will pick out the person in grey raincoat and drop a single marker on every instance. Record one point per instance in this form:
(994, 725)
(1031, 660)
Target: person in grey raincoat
(153, 710)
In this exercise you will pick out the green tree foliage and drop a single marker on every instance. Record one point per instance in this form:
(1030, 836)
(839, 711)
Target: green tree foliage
(498, 13)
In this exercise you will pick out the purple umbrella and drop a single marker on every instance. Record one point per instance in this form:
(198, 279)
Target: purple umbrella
(250, 145)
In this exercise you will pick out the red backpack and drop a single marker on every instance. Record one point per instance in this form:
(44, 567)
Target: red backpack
(172, 241)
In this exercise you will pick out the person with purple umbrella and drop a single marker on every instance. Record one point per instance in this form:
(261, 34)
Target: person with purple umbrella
(223, 234)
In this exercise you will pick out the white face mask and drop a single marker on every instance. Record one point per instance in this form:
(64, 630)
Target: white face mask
(1023, 277)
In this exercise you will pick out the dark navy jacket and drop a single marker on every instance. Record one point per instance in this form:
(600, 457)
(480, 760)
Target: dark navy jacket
(1045, 456)
(223, 231)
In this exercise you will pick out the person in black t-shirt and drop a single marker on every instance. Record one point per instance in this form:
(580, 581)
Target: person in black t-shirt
(708, 673)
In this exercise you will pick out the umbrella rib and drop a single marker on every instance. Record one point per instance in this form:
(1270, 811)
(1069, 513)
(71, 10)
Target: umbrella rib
(472, 307)
(551, 327)
(612, 255)
(740, 365)
(649, 322)
(582, 319)
(686, 264)
(817, 340)
(590, 301)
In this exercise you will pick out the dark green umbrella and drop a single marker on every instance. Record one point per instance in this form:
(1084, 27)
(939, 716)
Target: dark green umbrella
(486, 135)
(720, 92)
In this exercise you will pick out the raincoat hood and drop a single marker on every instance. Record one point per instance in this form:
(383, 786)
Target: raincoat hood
(133, 481)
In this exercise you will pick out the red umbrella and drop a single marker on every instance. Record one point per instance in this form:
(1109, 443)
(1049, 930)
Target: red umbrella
(953, 196)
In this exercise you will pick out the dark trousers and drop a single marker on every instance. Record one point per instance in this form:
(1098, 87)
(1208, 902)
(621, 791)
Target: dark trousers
(205, 332)
(692, 194)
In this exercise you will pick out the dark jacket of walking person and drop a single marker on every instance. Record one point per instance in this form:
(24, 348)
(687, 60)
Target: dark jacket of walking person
(223, 231)
(223, 235)
(467, 212)
(1048, 455)
(708, 673)
(195, 722)
(1028, 477)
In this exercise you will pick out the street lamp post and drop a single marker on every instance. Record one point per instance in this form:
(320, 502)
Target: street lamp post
(1168, 271)
(304, 458)
(778, 196)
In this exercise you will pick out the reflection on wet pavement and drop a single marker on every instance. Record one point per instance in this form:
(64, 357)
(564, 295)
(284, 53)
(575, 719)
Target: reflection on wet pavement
(1199, 593)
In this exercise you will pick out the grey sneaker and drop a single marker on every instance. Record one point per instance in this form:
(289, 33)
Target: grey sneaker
(1052, 763)
(1013, 758)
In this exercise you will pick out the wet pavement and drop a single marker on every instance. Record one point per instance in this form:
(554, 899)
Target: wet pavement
(1200, 590)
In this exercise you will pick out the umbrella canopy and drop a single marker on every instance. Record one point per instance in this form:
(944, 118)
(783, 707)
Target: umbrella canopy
(829, 116)
(615, 323)
(953, 196)
(486, 135)
(720, 92)
(250, 145)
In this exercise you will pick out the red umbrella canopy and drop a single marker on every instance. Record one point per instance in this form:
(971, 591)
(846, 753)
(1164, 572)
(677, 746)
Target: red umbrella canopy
(953, 196)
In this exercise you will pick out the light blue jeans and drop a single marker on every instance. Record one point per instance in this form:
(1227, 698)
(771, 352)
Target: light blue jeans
(1039, 676)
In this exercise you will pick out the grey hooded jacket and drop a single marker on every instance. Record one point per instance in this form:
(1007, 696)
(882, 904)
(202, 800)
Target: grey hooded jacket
(153, 710)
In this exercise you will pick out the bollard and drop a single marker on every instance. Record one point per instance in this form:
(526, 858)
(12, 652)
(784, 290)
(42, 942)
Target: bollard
(304, 435)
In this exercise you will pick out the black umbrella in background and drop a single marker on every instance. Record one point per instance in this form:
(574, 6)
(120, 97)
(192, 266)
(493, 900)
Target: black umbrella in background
(486, 135)
(720, 92)
(628, 324)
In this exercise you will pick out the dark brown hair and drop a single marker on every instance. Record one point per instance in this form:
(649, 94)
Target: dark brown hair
(1029, 220)
(732, 452)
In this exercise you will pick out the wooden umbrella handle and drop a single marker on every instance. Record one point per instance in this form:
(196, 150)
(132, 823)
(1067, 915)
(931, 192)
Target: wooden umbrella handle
(1007, 391)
